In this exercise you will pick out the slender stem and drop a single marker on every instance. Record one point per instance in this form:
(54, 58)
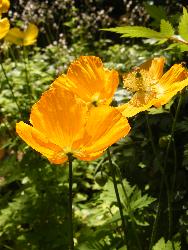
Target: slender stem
(156, 221)
(129, 210)
(165, 165)
(113, 172)
(176, 39)
(10, 87)
(29, 89)
(71, 242)
(163, 180)
(175, 171)
(12, 54)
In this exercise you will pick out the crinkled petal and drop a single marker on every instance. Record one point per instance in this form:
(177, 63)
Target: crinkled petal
(4, 27)
(88, 157)
(176, 73)
(40, 143)
(88, 79)
(59, 116)
(156, 68)
(138, 103)
(104, 127)
(170, 92)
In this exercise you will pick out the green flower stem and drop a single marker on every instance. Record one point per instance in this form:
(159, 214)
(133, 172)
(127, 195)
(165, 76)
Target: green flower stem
(71, 242)
(7, 247)
(12, 55)
(113, 172)
(175, 166)
(11, 88)
(163, 180)
(29, 89)
(130, 214)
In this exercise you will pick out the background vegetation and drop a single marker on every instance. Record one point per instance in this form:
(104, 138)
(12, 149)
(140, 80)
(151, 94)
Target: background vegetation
(33, 193)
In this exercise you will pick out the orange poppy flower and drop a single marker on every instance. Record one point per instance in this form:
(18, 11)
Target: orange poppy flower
(4, 6)
(151, 87)
(62, 124)
(4, 27)
(89, 80)
(23, 38)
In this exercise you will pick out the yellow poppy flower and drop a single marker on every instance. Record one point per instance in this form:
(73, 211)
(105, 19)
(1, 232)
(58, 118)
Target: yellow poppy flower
(23, 38)
(4, 27)
(4, 6)
(151, 87)
(88, 79)
(62, 125)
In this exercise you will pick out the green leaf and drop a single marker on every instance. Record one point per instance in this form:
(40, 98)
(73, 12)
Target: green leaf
(183, 47)
(156, 12)
(183, 25)
(161, 245)
(138, 201)
(137, 31)
(166, 28)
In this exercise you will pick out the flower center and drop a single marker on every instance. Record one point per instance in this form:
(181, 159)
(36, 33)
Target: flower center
(95, 99)
(140, 80)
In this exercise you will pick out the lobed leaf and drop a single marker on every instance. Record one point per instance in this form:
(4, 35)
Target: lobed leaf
(166, 28)
(156, 12)
(137, 31)
(161, 245)
(183, 25)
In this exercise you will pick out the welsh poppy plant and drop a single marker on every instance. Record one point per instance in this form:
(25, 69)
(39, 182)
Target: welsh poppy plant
(4, 27)
(23, 38)
(151, 87)
(89, 80)
(4, 6)
(62, 124)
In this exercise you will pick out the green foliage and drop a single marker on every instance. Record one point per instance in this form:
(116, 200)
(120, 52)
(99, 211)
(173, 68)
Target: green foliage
(161, 245)
(33, 193)
(166, 33)
(156, 12)
(137, 31)
(183, 24)
(166, 29)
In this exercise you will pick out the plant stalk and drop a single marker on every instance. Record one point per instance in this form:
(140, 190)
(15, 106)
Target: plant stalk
(29, 89)
(71, 242)
(131, 216)
(165, 165)
(113, 172)
(11, 88)
(163, 181)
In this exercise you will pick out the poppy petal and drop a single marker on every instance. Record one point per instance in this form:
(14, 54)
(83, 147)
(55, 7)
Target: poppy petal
(30, 35)
(59, 116)
(176, 73)
(154, 66)
(156, 69)
(4, 27)
(15, 35)
(170, 92)
(40, 143)
(88, 79)
(138, 103)
(105, 126)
